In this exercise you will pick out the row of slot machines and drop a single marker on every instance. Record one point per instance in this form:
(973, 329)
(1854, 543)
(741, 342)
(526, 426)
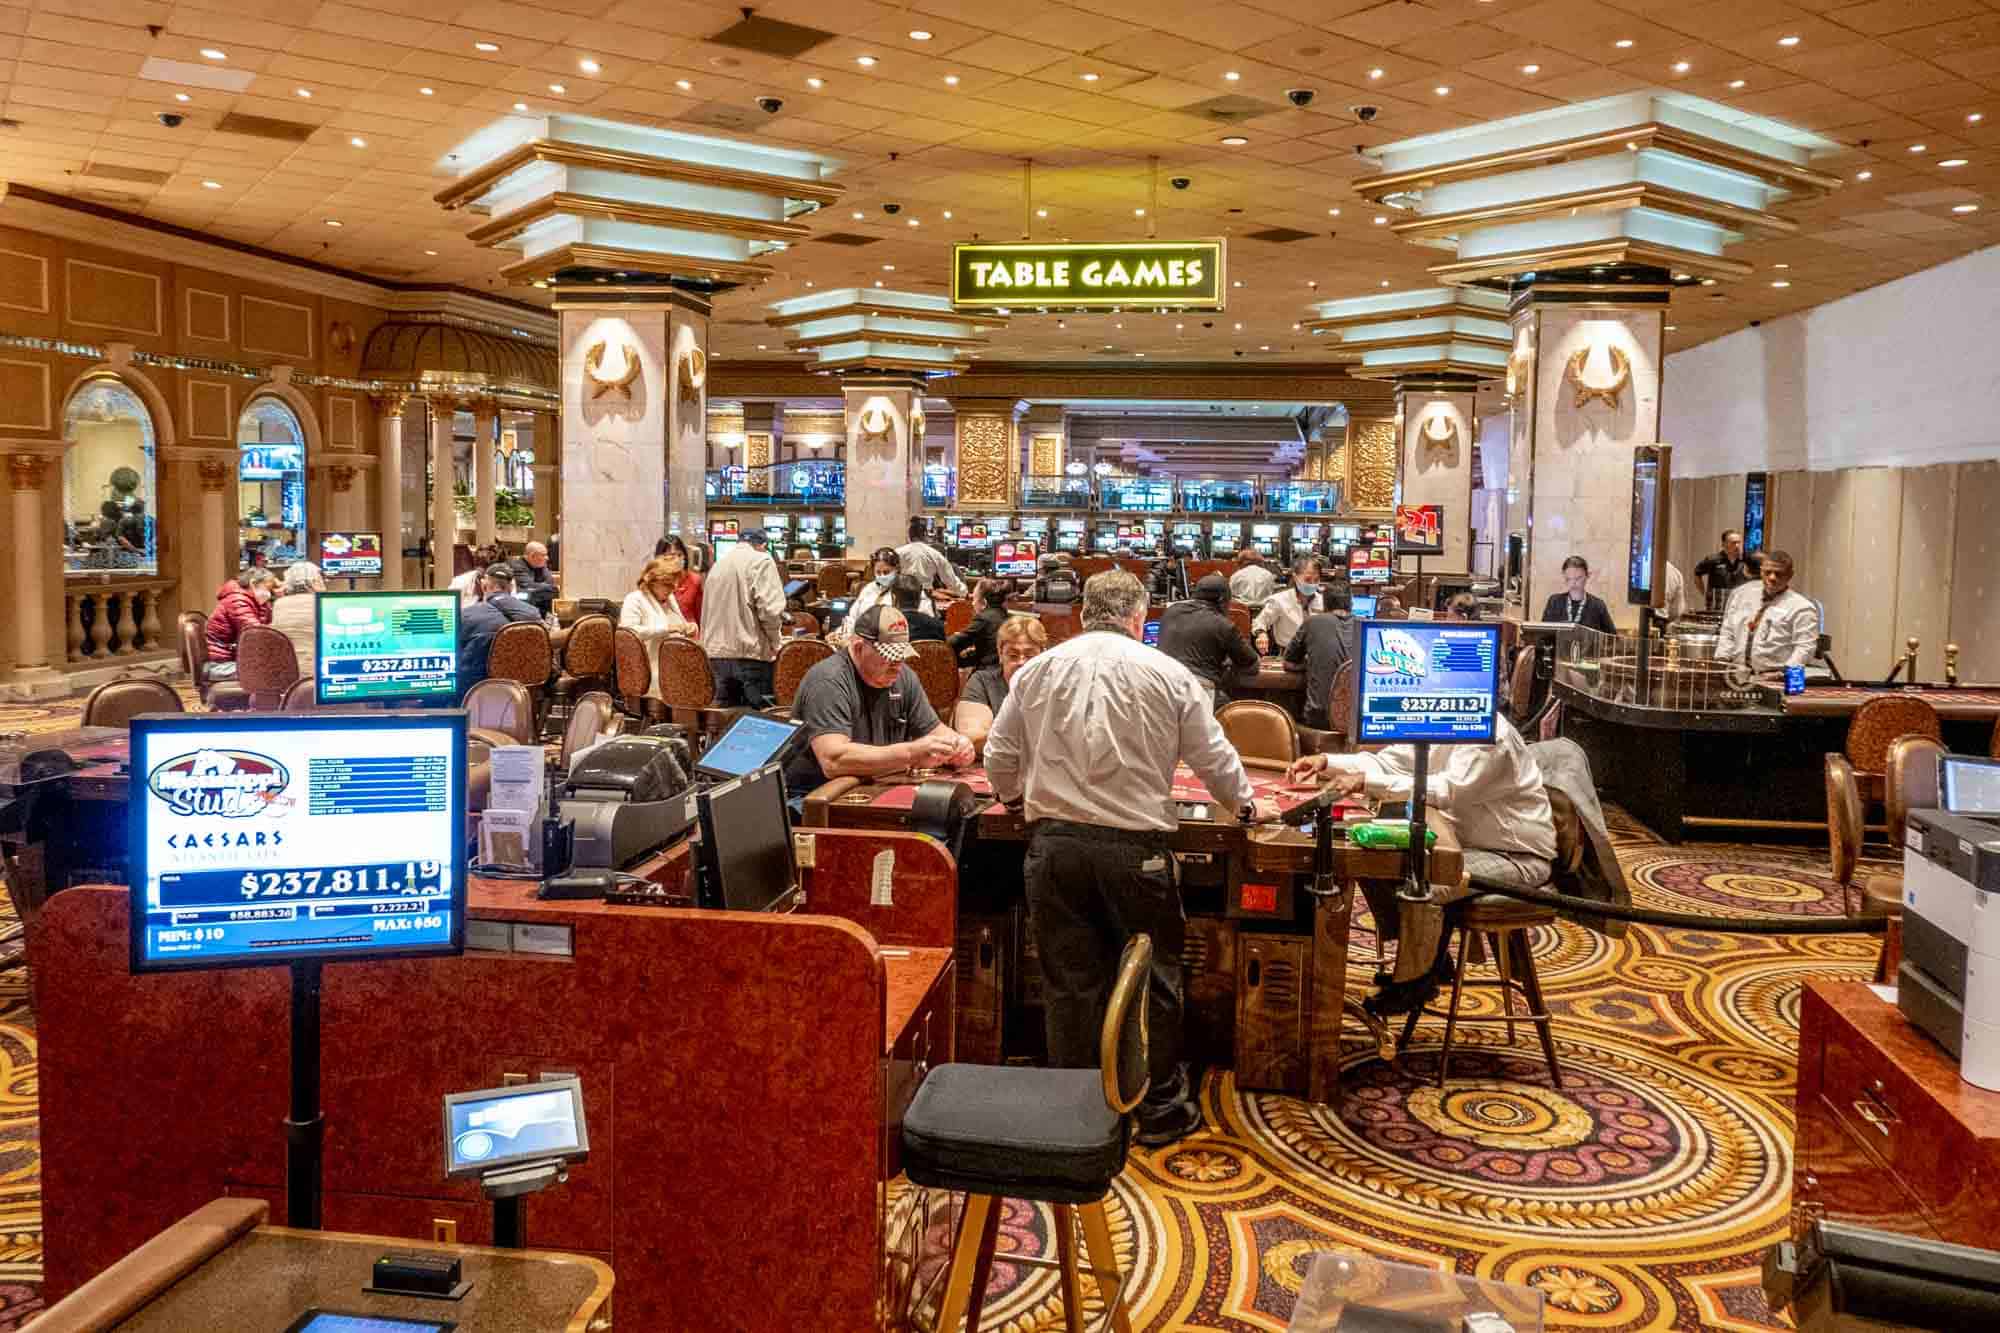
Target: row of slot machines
(784, 531)
(1155, 537)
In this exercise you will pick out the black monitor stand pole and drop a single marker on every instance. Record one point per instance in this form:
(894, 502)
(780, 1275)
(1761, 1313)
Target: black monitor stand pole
(305, 1127)
(1416, 882)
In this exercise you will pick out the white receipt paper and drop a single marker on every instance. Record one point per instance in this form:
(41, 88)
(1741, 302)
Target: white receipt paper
(881, 893)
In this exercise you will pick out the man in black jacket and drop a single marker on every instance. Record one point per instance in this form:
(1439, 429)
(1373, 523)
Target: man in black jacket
(1323, 645)
(533, 581)
(1199, 634)
(1573, 605)
(479, 623)
(1727, 569)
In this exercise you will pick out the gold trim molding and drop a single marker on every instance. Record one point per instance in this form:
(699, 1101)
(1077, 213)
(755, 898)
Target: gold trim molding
(564, 153)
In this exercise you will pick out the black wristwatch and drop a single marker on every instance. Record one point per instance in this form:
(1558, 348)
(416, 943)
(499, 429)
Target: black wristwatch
(1247, 812)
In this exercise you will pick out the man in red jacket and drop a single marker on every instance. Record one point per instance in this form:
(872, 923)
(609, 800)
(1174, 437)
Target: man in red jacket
(240, 603)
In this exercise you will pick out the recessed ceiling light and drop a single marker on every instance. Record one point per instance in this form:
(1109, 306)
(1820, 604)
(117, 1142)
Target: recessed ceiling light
(1374, 73)
(1117, 326)
(1180, 326)
(182, 97)
(1682, 67)
(1138, 354)
(1672, 327)
(557, 89)
(857, 215)
(520, 106)
(1781, 283)
(333, 222)
(1442, 90)
(1239, 328)
(303, 92)
(540, 282)
(358, 141)
(866, 62)
(486, 46)
(888, 268)
(951, 80)
(684, 85)
(588, 66)
(1234, 140)
(1708, 282)
(431, 252)
(1088, 77)
(920, 35)
(915, 223)
(1736, 83)
(1231, 75)
(1917, 147)
(1680, 277)
(1531, 69)
(1381, 220)
(1965, 208)
(1385, 282)
(947, 215)
(815, 81)
(1788, 41)
(1952, 162)
(211, 185)
(1781, 266)
(1973, 118)
(1237, 283)
(1041, 212)
(1333, 212)
(428, 92)
(1623, 43)
(1864, 175)
(210, 53)
(1138, 212)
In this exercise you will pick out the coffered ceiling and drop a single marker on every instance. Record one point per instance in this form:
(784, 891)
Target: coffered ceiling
(362, 101)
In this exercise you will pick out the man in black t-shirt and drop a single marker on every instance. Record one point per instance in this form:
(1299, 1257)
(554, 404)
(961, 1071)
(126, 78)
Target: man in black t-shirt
(865, 712)
(1727, 569)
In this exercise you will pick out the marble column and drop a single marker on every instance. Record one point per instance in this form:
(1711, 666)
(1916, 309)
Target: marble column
(634, 403)
(548, 475)
(34, 677)
(444, 514)
(1587, 379)
(218, 532)
(545, 499)
(884, 478)
(484, 481)
(1434, 464)
(389, 483)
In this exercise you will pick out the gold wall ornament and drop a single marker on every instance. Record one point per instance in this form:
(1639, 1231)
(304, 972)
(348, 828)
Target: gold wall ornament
(599, 385)
(757, 449)
(1045, 455)
(340, 337)
(25, 472)
(916, 425)
(692, 374)
(1520, 364)
(1372, 464)
(1609, 394)
(1438, 430)
(876, 421)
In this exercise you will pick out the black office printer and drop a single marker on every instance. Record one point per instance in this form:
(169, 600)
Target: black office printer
(627, 798)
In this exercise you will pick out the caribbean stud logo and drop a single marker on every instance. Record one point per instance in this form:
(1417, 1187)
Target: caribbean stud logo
(1397, 653)
(232, 784)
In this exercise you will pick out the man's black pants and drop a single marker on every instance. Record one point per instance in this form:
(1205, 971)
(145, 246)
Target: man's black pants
(1091, 889)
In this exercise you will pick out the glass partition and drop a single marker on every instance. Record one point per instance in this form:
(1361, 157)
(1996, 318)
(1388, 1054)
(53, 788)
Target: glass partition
(804, 482)
(108, 482)
(271, 489)
(1055, 492)
(1681, 672)
(1302, 497)
(1148, 495)
(1232, 496)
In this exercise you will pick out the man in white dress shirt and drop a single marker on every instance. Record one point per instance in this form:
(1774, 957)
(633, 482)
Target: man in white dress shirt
(1767, 626)
(1088, 740)
(928, 563)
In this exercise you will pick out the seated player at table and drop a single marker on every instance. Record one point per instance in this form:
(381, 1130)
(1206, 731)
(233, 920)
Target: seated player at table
(1769, 625)
(652, 612)
(240, 603)
(865, 713)
(1088, 741)
(888, 566)
(908, 595)
(534, 581)
(296, 612)
(1019, 641)
(978, 644)
(1252, 581)
(1323, 645)
(479, 623)
(1199, 634)
(680, 575)
(1574, 605)
(1285, 611)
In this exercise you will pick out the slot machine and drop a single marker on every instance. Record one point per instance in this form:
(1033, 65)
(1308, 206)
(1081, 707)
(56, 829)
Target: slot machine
(1069, 534)
(1264, 536)
(1188, 541)
(1105, 539)
(1036, 530)
(1223, 539)
(1305, 539)
(812, 531)
(778, 527)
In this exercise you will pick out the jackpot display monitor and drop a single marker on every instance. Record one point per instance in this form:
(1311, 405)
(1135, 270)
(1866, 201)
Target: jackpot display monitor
(974, 536)
(1264, 536)
(1420, 529)
(1427, 682)
(1014, 560)
(350, 555)
(281, 837)
(1652, 466)
(386, 647)
(501, 1127)
(1069, 534)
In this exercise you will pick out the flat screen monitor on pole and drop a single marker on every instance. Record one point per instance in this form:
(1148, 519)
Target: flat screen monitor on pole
(1419, 529)
(1437, 683)
(1652, 470)
(350, 555)
(386, 647)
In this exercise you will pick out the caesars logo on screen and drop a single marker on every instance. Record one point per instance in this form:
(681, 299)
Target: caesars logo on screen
(1182, 275)
(234, 784)
(1397, 653)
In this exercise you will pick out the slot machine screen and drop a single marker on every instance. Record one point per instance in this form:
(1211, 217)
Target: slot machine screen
(1014, 560)
(1106, 538)
(1187, 538)
(1264, 536)
(1305, 538)
(974, 536)
(1069, 534)
(778, 528)
(723, 544)
(1035, 530)
(1224, 539)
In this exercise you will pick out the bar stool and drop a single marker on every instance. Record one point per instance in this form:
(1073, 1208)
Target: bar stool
(1055, 1136)
(1504, 923)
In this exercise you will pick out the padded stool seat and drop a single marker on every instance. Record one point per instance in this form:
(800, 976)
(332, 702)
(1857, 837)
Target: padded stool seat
(226, 696)
(1496, 911)
(1043, 1134)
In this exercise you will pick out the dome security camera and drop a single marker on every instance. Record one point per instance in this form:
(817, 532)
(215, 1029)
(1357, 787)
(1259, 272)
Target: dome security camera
(1299, 96)
(771, 106)
(171, 119)
(892, 209)
(1180, 182)
(1364, 113)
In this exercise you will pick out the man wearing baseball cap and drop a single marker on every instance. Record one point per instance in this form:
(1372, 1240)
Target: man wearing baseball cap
(865, 712)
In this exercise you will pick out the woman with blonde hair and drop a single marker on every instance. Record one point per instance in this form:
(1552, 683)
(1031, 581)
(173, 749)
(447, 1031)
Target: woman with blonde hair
(653, 612)
(1019, 640)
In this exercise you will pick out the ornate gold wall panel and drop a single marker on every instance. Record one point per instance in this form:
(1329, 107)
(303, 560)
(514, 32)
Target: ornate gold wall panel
(757, 449)
(1371, 463)
(985, 461)
(1045, 456)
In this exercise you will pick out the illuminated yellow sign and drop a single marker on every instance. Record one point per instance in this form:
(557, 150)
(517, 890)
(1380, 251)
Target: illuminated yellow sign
(1183, 275)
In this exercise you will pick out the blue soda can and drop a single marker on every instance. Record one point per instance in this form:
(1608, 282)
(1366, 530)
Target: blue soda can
(1795, 680)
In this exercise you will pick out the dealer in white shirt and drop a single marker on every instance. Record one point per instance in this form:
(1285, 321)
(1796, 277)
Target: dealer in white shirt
(1767, 626)
(929, 564)
(1285, 610)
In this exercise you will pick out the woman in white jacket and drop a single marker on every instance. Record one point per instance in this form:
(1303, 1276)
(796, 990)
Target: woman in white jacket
(653, 613)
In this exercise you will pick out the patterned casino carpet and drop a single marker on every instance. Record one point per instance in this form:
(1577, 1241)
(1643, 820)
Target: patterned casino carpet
(1639, 1196)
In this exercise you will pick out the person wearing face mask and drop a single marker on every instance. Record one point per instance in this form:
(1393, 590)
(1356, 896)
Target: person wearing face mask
(240, 603)
(877, 591)
(1285, 611)
(1573, 605)
(679, 576)
(865, 712)
(1768, 625)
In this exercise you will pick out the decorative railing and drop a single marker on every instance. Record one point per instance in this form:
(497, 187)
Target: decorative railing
(112, 617)
(1055, 492)
(802, 481)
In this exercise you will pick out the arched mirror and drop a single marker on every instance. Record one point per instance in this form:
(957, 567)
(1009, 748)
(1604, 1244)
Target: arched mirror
(271, 490)
(108, 481)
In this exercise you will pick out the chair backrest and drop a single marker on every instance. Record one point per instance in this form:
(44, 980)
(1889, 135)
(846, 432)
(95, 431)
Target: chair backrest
(1521, 686)
(1843, 819)
(1239, 616)
(116, 702)
(833, 580)
(589, 650)
(938, 670)
(299, 698)
(193, 627)
(801, 624)
(795, 658)
(521, 652)
(1340, 698)
(1912, 781)
(1124, 1041)
(266, 665)
(1880, 721)
(958, 615)
(1060, 625)
(593, 716)
(633, 664)
(1087, 565)
(685, 678)
(498, 704)
(1260, 729)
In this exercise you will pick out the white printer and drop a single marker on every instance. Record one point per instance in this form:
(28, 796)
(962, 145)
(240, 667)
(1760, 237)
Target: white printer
(1951, 906)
